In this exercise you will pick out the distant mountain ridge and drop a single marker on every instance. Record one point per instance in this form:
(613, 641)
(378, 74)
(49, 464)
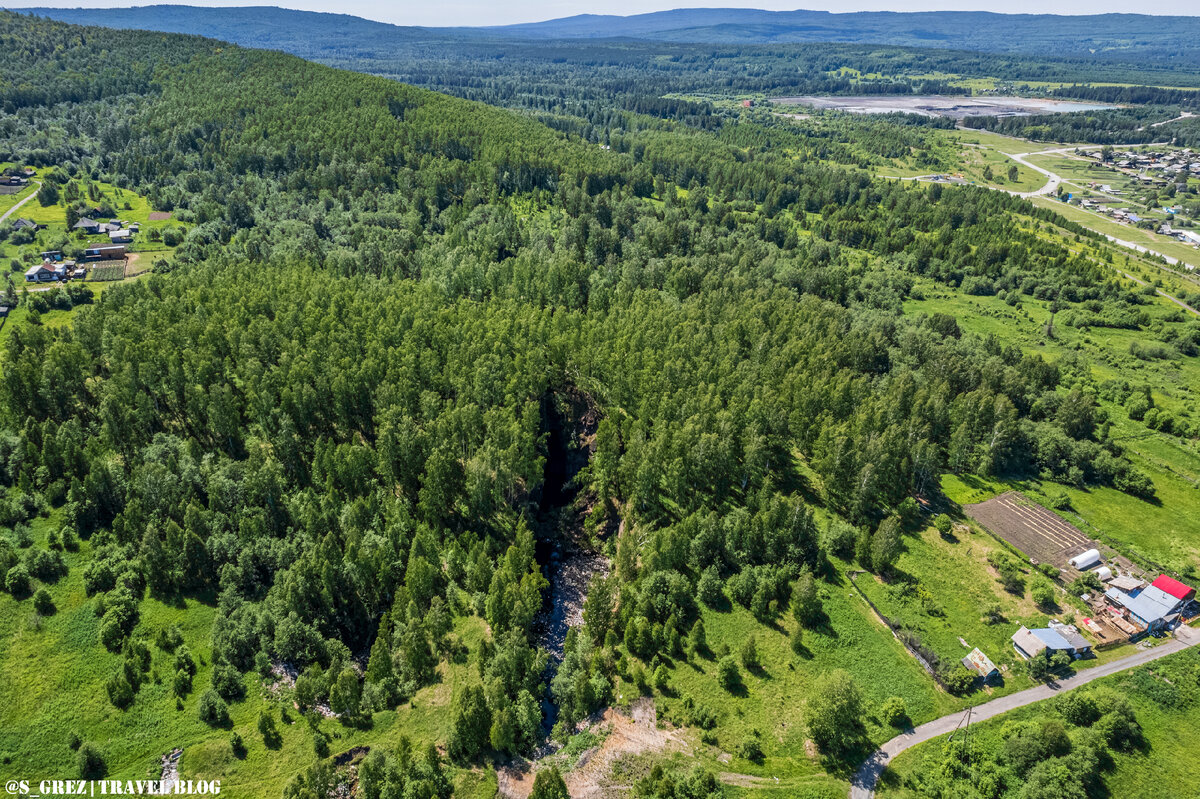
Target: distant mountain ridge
(1174, 39)
(1036, 34)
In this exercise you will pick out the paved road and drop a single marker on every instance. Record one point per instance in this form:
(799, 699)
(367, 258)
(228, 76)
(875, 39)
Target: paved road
(863, 785)
(1052, 180)
(12, 210)
(1051, 186)
(1184, 115)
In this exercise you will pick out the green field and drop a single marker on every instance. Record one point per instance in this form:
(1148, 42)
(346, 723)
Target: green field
(1108, 227)
(1165, 709)
(853, 640)
(55, 670)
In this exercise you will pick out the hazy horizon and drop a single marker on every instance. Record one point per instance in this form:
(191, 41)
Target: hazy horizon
(471, 13)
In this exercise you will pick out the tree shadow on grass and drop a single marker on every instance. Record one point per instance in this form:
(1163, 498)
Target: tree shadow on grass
(845, 763)
(758, 671)
(739, 690)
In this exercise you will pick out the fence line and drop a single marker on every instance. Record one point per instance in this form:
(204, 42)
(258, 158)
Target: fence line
(925, 664)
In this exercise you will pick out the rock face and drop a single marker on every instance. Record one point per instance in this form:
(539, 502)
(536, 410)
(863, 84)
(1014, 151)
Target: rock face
(570, 418)
(570, 573)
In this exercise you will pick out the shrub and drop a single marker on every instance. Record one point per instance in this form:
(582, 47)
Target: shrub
(751, 749)
(120, 692)
(549, 784)
(1011, 578)
(727, 674)
(662, 679)
(17, 583)
(839, 538)
(749, 654)
(42, 602)
(1043, 594)
(806, 604)
(227, 681)
(943, 524)
(958, 680)
(182, 684)
(90, 762)
(893, 711)
(237, 745)
(169, 638)
(213, 710)
(1079, 709)
(992, 615)
(833, 714)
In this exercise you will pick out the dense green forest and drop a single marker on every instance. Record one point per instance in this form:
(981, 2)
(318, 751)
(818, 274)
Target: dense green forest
(1135, 125)
(1091, 43)
(337, 417)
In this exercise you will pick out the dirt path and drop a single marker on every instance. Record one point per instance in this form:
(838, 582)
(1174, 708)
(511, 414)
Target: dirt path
(13, 210)
(865, 779)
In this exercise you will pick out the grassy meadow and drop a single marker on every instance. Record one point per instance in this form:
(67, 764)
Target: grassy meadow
(55, 672)
(1161, 763)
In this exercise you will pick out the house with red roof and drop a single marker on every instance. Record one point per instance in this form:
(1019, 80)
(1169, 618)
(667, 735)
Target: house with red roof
(1169, 585)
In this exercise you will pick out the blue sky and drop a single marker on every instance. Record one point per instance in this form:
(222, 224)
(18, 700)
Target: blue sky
(493, 12)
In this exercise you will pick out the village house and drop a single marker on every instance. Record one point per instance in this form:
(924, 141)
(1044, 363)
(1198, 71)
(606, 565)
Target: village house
(1152, 609)
(1031, 643)
(89, 226)
(42, 273)
(22, 223)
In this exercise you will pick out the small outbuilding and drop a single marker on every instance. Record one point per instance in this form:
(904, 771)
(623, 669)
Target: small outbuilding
(110, 252)
(1086, 560)
(981, 664)
(1126, 583)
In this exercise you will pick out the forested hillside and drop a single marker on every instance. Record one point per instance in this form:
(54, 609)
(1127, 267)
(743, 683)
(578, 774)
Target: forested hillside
(522, 66)
(1130, 37)
(335, 418)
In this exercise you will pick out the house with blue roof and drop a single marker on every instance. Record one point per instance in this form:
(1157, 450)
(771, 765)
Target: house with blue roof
(1151, 608)
(1049, 640)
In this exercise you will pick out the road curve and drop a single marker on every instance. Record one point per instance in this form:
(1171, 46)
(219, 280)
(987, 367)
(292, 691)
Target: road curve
(13, 210)
(865, 779)
(1052, 180)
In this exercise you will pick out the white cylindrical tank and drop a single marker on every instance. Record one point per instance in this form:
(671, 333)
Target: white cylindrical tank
(1104, 573)
(1086, 560)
